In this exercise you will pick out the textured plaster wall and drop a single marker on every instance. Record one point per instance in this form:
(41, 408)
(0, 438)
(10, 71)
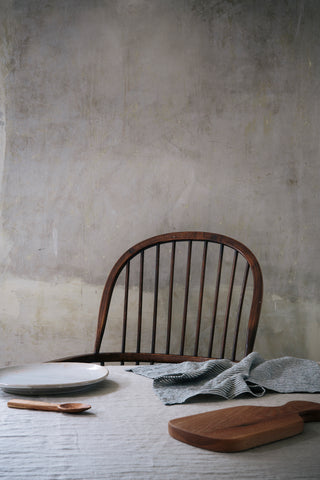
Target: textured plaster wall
(122, 119)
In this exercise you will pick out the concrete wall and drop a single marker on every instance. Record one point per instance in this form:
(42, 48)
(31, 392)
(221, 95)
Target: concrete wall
(122, 119)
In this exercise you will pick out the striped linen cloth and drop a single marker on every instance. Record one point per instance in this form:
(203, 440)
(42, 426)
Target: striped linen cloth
(178, 382)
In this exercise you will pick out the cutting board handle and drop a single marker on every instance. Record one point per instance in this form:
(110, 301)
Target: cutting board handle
(309, 411)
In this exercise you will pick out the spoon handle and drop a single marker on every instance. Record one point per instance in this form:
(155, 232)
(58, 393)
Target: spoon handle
(33, 405)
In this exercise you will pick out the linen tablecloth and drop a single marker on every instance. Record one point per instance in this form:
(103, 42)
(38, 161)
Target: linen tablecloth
(125, 437)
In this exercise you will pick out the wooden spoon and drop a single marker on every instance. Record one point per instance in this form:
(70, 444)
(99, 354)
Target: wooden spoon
(53, 407)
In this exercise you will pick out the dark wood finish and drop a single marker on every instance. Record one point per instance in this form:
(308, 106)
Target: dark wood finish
(236, 333)
(140, 301)
(200, 304)
(240, 428)
(226, 321)
(186, 297)
(125, 308)
(173, 256)
(216, 298)
(192, 240)
(132, 357)
(155, 299)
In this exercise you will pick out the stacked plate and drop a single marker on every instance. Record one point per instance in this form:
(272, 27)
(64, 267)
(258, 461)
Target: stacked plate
(51, 378)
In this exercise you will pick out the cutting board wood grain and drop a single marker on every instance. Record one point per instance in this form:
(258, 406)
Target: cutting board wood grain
(240, 428)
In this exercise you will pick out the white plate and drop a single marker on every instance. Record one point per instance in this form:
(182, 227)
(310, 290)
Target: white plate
(50, 378)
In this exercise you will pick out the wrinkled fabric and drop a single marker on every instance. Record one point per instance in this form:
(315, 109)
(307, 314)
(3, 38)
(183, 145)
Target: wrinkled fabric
(176, 383)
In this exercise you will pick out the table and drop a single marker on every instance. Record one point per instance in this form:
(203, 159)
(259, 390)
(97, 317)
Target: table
(124, 436)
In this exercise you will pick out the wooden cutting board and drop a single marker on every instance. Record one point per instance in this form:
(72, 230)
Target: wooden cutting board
(240, 428)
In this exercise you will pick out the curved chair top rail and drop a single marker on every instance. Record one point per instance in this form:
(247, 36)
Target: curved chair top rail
(177, 237)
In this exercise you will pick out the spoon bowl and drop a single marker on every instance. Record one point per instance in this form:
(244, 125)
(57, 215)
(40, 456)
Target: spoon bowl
(73, 407)
(48, 406)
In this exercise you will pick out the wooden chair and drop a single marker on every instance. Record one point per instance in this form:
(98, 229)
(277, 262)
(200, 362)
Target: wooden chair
(204, 306)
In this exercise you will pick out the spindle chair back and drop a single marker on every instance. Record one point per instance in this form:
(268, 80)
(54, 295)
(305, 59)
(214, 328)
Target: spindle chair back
(166, 317)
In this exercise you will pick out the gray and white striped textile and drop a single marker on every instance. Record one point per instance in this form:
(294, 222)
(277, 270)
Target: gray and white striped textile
(178, 382)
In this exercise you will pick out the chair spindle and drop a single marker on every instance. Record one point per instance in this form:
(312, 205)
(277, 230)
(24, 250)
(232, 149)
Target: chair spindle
(186, 298)
(155, 298)
(243, 291)
(173, 256)
(125, 309)
(141, 274)
(235, 258)
(200, 303)
(216, 299)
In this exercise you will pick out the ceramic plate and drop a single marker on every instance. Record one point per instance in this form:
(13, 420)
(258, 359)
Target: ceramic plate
(52, 377)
